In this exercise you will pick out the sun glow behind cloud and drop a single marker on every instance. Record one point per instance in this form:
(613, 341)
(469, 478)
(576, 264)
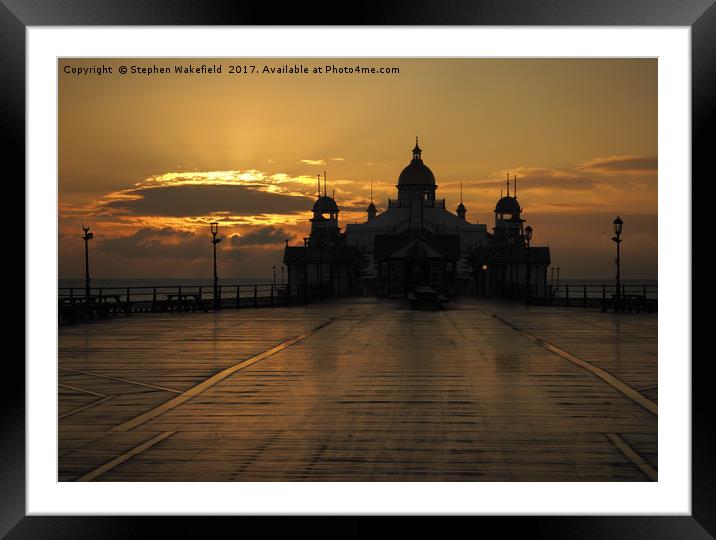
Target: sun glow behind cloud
(547, 189)
(180, 214)
(580, 136)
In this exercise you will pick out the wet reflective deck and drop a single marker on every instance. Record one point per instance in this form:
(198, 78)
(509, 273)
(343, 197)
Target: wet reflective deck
(361, 390)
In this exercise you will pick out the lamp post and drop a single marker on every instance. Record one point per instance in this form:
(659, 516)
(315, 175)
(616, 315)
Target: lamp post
(274, 276)
(215, 240)
(528, 237)
(87, 236)
(618, 224)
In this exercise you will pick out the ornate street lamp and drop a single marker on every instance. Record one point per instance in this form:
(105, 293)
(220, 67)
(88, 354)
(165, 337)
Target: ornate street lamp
(87, 236)
(215, 240)
(618, 224)
(528, 237)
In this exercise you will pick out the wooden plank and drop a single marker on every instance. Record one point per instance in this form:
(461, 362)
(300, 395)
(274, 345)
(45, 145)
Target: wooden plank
(383, 393)
(635, 458)
(99, 471)
(610, 379)
(211, 381)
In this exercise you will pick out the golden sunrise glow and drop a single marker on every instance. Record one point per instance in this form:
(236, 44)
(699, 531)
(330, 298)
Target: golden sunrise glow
(150, 161)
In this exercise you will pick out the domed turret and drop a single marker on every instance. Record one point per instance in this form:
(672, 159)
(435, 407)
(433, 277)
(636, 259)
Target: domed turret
(324, 223)
(461, 211)
(325, 205)
(416, 173)
(371, 207)
(371, 211)
(507, 205)
(416, 181)
(508, 223)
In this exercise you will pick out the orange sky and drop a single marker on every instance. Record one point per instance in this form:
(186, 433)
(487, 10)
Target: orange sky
(147, 160)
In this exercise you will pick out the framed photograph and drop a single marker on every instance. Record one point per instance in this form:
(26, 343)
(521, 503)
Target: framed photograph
(440, 266)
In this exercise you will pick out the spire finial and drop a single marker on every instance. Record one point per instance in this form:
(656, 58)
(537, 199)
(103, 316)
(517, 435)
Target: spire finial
(318, 177)
(371, 192)
(460, 192)
(324, 184)
(416, 151)
(508, 184)
(515, 179)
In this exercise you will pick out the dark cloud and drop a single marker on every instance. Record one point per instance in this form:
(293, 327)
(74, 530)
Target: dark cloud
(188, 200)
(357, 205)
(544, 179)
(627, 163)
(583, 177)
(560, 181)
(260, 236)
(586, 176)
(571, 206)
(168, 243)
(163, 243)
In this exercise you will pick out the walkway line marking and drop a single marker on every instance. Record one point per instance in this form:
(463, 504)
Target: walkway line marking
(124, 457)
(211, 381)
(120, 379)
(84, 407)
(632, 456)
(81, 390)
(607, 377)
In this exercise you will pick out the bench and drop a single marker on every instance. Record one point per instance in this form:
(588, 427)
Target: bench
(72, 309)
(626, 303)
(184, 303)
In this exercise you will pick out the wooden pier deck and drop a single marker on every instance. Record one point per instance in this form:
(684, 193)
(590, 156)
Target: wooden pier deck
(361, 390)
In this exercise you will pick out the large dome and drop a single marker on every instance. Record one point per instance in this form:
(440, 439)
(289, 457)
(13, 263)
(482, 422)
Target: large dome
(416, 174)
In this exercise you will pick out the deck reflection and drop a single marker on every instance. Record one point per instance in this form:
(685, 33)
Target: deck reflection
(379, 393)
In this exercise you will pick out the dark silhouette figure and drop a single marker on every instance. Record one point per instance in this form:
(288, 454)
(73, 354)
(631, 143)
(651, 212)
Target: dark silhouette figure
(215, 240)
(87, 236)
(618, 224)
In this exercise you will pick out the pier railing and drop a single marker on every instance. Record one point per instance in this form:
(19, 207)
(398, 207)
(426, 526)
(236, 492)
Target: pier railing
(587, 295)
(75, 304)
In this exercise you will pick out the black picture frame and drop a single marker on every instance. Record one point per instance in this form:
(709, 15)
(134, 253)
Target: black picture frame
(699, 15)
